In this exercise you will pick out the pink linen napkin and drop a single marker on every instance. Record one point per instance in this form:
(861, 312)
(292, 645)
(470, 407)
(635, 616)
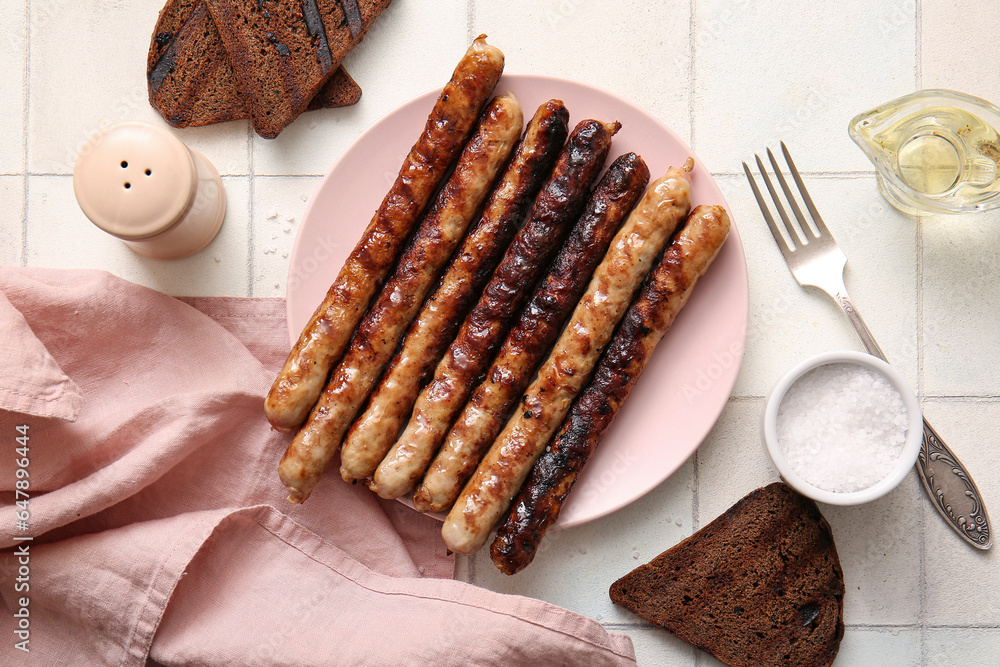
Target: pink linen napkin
(159, 531)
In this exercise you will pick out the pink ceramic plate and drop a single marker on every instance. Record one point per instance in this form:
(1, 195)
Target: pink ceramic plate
(689, 379)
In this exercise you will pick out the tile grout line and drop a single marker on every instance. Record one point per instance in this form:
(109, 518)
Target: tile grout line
(874, 627)
(251, 182)
(691, 86)
(922, 524)
(695, 468)
(470, 21)
(26, 90)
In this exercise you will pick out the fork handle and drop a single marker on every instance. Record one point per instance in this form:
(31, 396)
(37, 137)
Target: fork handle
(867, 339)
(948, 484)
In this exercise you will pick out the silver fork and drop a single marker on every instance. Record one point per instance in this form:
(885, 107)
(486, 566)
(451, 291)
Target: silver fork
(816, 260)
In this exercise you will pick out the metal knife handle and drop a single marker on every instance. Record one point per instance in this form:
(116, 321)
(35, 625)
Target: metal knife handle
(947, 482)
(952, 490)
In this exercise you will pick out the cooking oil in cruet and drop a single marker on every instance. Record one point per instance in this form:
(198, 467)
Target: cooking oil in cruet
(934, 151)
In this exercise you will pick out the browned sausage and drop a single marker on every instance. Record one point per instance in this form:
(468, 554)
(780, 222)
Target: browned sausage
(383, 326)
(666, 291)
(486, 497)
(558, 205)
(324, 338)
(373, 433)
(531, 338)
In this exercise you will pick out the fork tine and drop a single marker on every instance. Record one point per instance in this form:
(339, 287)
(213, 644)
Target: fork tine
(796, 240)
(806, 229)
(817, 218)
(778, 238)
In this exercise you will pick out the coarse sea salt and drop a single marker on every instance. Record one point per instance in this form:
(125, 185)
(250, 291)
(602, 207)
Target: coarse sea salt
(841, 427)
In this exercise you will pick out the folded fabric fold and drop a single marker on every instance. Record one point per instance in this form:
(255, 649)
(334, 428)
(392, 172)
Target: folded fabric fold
(159, 529)
(32, 381)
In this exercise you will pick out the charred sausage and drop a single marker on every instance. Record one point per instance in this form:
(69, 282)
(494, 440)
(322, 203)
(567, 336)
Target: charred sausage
(376, 429)
(385, 323)
(558, 205)
(666, 291)
(531, 338)
(487, 496)
(324, 338)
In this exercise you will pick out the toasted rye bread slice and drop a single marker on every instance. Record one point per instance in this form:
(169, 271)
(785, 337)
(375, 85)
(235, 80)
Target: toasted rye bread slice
(189, 76)
(760, 585)
(283, 52)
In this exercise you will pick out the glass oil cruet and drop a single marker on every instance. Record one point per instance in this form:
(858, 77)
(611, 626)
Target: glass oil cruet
(935, 151)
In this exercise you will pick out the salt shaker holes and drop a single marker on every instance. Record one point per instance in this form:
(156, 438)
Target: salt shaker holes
(173, 215)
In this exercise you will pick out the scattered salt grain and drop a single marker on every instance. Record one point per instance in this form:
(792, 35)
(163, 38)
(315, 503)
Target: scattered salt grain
(304, 197)
(272, 213)
(274, 236)
(286, 229)
(284, 254)
(841, 427)
(218, 258)
(289, 218)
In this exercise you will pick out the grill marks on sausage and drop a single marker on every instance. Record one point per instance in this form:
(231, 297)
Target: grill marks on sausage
(374, 432)
(558, 205)
(325, 337)
(487, 496)
(385, 323)
(530, 339)
(651, 315)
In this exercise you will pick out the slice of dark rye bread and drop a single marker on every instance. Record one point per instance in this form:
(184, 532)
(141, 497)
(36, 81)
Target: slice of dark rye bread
(283, 51)
(189, 76)
(760, 585)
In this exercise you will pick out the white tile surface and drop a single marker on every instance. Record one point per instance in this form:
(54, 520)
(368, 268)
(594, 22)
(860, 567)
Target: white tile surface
(963, 646)
(953, 47)
(11, 219)
(770, 71)
(961, 289)
(731, 77)
(13, 55)
(889, 647)
(59, 232)
(880, 550)
(641, 51)
(658, 648)
(962, 584)
(88, 70)
(278, 206)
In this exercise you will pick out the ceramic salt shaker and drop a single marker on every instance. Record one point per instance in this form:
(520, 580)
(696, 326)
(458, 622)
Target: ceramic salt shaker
(140, 183)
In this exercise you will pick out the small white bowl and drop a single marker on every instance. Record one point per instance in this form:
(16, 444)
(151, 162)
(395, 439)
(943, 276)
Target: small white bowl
(911, 446)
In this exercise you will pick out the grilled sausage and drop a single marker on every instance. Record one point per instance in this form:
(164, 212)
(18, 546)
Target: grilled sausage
(666, 291)
(558, 205)
(387, 320)
(325, 337)
(486, 497)
(531, 338)
(374, 432)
